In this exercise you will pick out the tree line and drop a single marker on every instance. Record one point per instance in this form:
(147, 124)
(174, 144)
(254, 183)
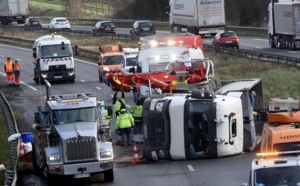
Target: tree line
(238, 12)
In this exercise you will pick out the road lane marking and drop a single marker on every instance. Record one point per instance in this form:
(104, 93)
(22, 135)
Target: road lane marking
(98, 88)
(259, 47)
(82, 80)
(261, 39)
(191, 167)
(292, 52)
(31, 87)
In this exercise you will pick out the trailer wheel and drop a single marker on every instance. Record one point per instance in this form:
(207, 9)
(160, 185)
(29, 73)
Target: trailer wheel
(109, 175)
(271, 42)
(172, 28)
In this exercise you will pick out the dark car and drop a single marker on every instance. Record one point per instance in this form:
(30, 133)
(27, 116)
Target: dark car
(142, 28)
(104, 27)
(32, 22)
(226, 39)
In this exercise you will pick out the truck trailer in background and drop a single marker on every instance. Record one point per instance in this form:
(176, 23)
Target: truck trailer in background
(204, 17)
(283, 18)
(13, 11)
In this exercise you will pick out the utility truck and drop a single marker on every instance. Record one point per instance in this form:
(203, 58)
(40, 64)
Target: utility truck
(203, 123)
(111, 59)
(204, 17)
(275, 168)
(282, 130)
(53, 59)
(283, 24)
(71, 137)
(13, 11)
(130, 64)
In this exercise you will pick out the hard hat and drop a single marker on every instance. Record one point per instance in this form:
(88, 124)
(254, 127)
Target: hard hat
(17, 60)
(123, 111)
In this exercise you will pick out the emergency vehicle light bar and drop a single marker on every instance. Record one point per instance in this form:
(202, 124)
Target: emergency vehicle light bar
(278, 153)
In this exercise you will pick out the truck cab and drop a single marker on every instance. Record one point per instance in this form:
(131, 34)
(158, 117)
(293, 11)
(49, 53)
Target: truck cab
(54, 59)
(70, 137)
(111, 59)
(130, 60)
(277, 168)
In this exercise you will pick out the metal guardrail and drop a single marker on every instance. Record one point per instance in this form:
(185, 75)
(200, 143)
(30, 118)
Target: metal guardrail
(244, 31)
(11, 169)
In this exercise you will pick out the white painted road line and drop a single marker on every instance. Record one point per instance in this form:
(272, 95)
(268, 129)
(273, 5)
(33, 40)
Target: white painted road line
(292, 52)
(191, 167)
(261, 39)
(31, 87)
(82, 80)
(259, 47)
(98, 88)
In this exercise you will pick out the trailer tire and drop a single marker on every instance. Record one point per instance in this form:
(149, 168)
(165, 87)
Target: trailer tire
(109, 175)
(271, 42)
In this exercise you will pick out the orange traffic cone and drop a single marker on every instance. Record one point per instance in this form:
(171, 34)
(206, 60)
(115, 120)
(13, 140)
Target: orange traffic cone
(22, 148)
(136, 158)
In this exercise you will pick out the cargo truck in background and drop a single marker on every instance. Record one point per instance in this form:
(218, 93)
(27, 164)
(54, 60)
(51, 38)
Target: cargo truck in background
(200, 17)
(13, 11)
(283, 24)
(53, 59)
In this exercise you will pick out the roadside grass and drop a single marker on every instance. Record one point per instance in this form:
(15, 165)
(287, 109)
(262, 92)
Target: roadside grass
(46, 5)
(279, 80)
(4, 147)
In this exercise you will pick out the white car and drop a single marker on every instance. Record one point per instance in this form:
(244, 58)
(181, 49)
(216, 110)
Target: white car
(59, 23)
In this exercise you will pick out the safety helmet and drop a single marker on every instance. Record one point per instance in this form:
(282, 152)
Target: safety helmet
(123, 111)
(17, 60)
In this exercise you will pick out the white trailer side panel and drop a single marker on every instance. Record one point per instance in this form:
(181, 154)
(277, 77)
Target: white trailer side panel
(286, 17)
(198, 13)
(14, 7)
(4, 10)
(19, 7)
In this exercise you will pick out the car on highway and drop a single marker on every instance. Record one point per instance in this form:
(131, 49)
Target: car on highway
(59, 23)
(32, 22)
(226, 39)
(143, 28)
(104, 27)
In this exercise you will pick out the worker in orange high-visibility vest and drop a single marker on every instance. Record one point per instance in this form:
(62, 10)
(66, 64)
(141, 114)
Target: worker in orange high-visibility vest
(9, 69)
(17, 72)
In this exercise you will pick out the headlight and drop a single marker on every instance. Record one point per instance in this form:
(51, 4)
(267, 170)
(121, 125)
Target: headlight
(44, 75)
(106, 69)
(106, 154)
(71, 73)
(157, 57)
(173, 57)
(54, 158)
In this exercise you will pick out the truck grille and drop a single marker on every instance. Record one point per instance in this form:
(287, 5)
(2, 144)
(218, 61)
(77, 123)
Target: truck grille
(83, 149)
(57, 67)
(155, 130)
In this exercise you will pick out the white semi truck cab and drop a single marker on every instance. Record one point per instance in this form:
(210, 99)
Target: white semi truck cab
(71, 137)
(53, 59)
(202, 124)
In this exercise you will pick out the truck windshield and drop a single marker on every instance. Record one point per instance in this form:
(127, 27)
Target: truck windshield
(74, 115)
(130, 61)
(56, 51)
(292, 146)
(113, 60)
(197, 129)
(277, 176)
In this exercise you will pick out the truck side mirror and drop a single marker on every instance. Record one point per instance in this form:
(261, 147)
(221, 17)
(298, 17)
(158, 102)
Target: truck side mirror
(34, 49)
(34, 54)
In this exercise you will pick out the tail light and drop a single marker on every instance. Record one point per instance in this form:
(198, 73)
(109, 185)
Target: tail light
(113, 26)
(101, 27)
